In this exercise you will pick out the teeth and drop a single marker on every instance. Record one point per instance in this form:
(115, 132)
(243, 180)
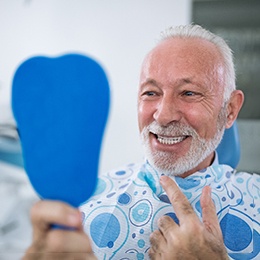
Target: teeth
(170, 140)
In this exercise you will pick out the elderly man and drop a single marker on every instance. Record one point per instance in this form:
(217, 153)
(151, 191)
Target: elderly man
(180, 203)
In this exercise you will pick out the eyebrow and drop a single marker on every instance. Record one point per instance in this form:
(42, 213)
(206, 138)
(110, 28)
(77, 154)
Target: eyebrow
(178, 82)
(149, 81)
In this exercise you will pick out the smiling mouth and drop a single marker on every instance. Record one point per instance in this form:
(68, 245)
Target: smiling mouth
(170, 140)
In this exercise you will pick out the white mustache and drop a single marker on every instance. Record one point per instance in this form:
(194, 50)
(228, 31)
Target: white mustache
(174, 129)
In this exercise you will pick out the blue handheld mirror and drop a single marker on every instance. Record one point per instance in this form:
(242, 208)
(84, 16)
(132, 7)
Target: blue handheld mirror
(61, 107)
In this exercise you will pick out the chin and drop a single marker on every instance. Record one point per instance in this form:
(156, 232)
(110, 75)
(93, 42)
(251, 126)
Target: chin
(167, 163)
(169, 168)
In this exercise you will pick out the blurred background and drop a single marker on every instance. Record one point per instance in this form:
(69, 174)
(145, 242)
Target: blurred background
(117, 34)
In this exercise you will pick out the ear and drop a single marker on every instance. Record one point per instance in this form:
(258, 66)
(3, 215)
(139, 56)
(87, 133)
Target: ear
(234, 105)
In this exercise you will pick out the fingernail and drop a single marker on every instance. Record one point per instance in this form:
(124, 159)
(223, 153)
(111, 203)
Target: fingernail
(163, 179)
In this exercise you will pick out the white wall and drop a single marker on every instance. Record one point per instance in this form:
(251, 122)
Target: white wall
(118, 33)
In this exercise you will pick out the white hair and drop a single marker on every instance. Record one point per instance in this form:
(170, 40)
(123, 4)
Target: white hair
(196, 31)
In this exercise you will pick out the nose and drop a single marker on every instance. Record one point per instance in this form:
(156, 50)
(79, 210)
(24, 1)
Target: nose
(167, 111)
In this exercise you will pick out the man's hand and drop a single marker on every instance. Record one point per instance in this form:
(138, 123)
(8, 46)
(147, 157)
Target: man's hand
(54, 243)
(191, 239)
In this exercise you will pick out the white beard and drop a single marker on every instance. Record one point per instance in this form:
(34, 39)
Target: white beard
(200, 148)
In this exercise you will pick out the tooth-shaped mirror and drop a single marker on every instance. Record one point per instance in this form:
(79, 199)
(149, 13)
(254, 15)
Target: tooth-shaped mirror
(61, 107)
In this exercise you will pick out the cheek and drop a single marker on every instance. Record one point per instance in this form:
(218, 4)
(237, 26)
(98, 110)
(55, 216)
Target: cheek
(145, 115)
(205, 124)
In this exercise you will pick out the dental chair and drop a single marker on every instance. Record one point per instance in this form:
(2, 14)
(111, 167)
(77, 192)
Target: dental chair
(229, 147)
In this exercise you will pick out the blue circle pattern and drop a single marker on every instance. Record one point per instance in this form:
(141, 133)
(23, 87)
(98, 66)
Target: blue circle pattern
(140, 213)
(136, 191)
(108, 225)
(124, 198)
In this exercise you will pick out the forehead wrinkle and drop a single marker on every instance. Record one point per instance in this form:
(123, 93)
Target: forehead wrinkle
(185, 81)
(148, 82)
(208, 58)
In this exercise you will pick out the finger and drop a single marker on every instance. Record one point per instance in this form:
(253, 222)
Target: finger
(153, 255)
(59, 256)
(62, 245)
(179, 201)
(166, 226)
(207, 205)
(209, 215)
(45, 213)
(157, 241)
(64, 241)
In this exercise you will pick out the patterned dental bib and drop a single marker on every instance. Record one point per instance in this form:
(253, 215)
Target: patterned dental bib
(128, 202)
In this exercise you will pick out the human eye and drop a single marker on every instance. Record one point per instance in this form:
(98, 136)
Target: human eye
(189, 93)
(149, 93)
(191, 96)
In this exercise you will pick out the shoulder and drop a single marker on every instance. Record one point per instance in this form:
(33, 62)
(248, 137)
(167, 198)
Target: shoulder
(109, 182)
(249, 181)
(123, 172)
(242, 176)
